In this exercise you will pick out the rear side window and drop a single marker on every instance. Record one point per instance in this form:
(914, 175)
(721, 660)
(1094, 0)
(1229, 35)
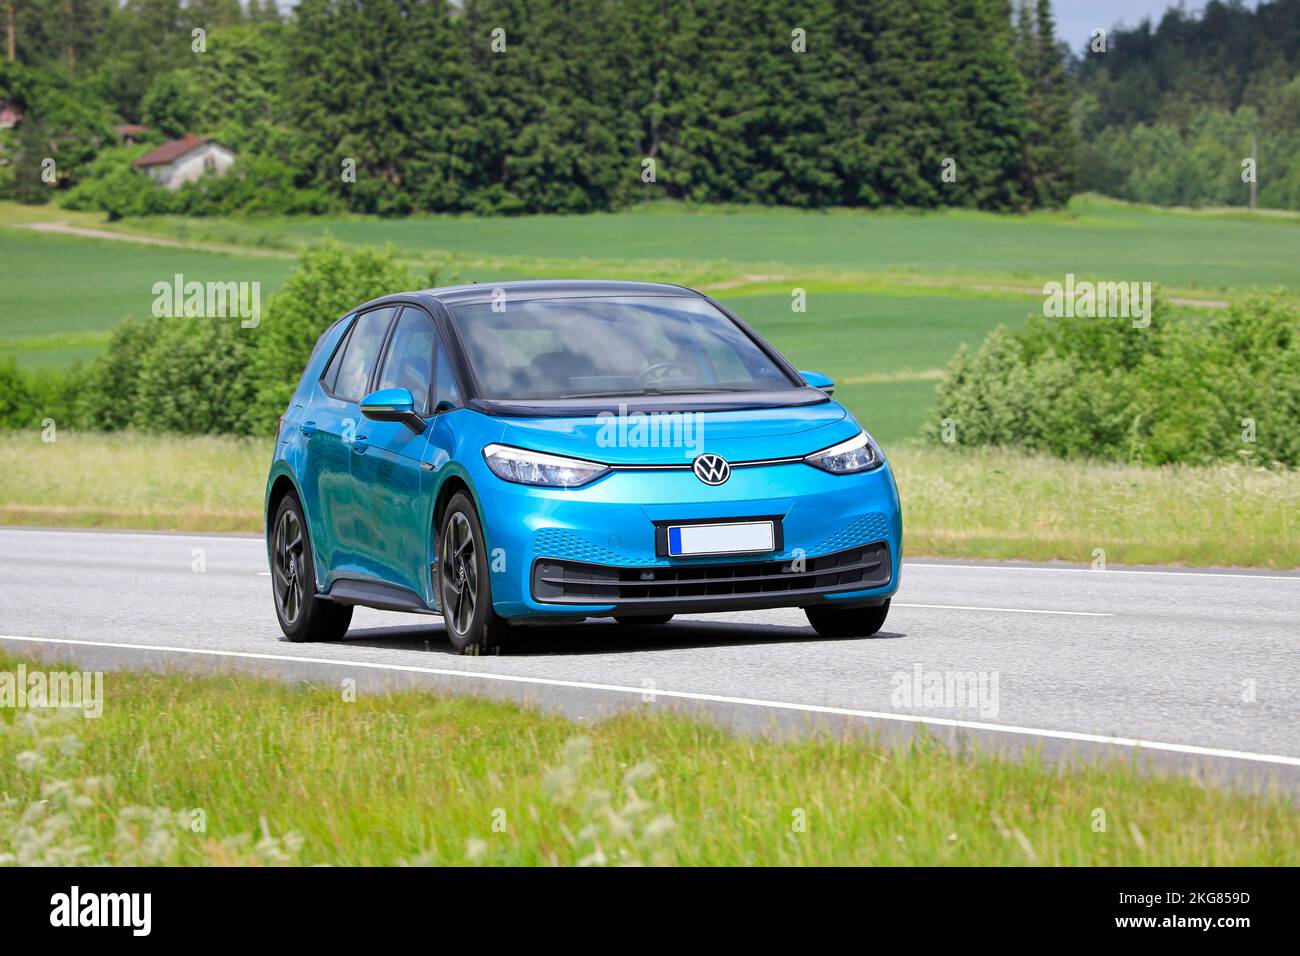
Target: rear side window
(409, 363)
(332, 370)
(357, 356)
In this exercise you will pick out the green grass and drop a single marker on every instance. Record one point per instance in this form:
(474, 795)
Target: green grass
(1004, 504)
(1192, 251)
(956, 503)
(90, 480)
(413, 777)
(55, 286)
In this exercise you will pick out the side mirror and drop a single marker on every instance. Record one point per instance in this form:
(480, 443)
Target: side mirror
(392, 405)
(818, 380)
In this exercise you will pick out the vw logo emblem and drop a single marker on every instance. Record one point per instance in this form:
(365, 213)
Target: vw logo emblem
(711, 469)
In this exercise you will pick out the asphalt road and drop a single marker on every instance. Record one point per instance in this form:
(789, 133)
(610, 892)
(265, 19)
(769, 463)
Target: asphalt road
(1199, 668)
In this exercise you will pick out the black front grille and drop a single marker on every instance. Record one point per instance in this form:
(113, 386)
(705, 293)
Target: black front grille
(751, 583)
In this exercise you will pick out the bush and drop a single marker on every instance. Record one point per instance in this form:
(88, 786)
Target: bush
(27, 399)
(194, 378)
(112, 381)
(208, 375)
(254, 184)
(329, 280)
(113, 185)
(17, 404)
(1193, 389)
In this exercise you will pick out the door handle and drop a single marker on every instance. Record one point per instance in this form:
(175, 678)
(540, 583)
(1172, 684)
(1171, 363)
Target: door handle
(307, 428)
(360, 444)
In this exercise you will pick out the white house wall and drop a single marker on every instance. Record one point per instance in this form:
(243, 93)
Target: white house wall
(193, 164)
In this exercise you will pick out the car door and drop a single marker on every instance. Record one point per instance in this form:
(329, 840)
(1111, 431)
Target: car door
(394, 475)
(334, 426)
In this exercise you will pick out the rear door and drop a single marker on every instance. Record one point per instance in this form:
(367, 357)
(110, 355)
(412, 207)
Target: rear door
(337, 435)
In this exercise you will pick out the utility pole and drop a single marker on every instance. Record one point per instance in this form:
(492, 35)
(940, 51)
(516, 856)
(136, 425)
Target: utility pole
(9, 4)
(1254, 164)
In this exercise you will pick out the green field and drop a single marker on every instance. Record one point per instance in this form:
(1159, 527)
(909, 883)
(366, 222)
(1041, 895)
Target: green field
(885, 352)
(1099, 238)
(235, 770)
(890, 296)
(62, 294)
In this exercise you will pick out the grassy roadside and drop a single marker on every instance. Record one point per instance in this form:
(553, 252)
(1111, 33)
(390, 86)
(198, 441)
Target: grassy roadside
(412, 777)
(967, 504)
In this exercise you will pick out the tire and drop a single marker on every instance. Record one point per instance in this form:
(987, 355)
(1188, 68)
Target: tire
(465, 589)
(302, 614)
(649, 620)
(848, 621)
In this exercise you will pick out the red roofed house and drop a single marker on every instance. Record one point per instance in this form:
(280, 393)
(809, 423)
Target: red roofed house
(10, 116)
(186, 159)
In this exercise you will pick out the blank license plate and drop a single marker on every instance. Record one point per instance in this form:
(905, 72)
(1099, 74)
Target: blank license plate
(730, 538)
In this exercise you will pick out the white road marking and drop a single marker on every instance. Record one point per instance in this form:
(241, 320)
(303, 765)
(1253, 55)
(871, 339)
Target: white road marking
(1007, 610)
(1188, 749)
(1189, 574)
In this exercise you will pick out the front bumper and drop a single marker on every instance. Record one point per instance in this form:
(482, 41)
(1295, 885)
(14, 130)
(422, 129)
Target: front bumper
(591, 551)
(695, 588)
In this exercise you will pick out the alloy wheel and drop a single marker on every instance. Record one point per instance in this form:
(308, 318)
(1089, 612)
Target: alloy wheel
(288, 568)
(459, 573)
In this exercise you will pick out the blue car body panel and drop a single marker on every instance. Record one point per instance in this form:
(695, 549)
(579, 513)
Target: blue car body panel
(369, 491)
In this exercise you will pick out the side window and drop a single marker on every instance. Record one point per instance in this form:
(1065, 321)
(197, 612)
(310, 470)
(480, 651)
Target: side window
(332, 372)
(409, 363)
(359, 354)
(445, 380)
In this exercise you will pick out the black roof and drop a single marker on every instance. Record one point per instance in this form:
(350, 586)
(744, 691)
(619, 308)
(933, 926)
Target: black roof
(548, 287)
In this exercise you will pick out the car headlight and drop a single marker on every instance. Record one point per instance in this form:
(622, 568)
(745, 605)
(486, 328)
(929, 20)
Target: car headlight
(857, 454)
(534, 468)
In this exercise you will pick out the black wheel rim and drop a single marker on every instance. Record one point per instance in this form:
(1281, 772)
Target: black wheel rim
(459, 573)
(287, 568)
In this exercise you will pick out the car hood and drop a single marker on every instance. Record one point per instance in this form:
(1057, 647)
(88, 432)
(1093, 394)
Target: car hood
(676, 437)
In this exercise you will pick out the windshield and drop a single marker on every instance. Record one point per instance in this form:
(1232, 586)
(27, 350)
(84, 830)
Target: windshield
(610, 347)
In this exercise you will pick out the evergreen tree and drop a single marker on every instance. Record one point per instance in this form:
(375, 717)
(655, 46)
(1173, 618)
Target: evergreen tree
(1050, 143)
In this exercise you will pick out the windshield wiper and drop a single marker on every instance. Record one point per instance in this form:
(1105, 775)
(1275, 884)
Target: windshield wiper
(627, 393)
(704, 389)
(683, 390)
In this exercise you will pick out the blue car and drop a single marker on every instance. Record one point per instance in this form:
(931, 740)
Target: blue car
(550, 451)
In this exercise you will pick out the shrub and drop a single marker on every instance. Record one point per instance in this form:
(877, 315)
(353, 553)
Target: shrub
(1191, 389)
(17, 404)
(209, 375)
(330, 279)
(254, 184)
(194, 378)
(111, 390)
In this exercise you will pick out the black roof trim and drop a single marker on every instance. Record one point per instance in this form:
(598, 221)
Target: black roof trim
(533, 288)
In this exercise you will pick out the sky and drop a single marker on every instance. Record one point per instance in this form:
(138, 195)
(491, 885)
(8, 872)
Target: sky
(1076, 19)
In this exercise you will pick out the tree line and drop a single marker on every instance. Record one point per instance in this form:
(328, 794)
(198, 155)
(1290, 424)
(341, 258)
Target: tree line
(511, 106)
(1170, 112)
